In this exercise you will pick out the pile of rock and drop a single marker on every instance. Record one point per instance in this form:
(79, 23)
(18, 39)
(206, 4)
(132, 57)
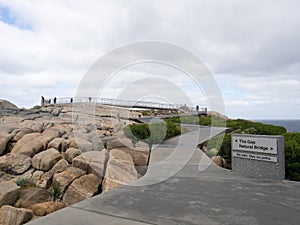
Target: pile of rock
(215, 157)
(47, 162)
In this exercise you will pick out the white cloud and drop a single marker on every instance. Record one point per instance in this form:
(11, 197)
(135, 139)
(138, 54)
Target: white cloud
(251, 46)
(261, 97)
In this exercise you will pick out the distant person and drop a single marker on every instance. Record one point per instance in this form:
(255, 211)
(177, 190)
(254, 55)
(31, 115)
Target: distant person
(90, 99)
(54, 100)
(50, 101)
(197, 107)
(71, 100)
(43, 100)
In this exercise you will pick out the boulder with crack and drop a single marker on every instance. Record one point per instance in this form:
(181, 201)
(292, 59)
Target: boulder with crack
(119, 171)
(82, 188)
(46, 160)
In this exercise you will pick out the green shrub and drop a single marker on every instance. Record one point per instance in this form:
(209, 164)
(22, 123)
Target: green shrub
(151, 134)
(225, 150)
(251, 127)
(199, 120)
(173, 130)
(292, 156)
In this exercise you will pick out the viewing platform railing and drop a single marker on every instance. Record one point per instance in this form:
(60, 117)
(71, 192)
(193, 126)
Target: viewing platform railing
(120, 103)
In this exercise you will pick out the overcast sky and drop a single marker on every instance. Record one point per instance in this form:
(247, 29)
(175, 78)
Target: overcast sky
(252, 47)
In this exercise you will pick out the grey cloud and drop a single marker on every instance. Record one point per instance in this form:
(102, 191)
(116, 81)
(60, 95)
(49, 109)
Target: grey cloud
(237, 39)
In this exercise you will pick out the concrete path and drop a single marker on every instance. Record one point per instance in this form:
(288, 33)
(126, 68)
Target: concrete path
(197, 193)
(214, 196)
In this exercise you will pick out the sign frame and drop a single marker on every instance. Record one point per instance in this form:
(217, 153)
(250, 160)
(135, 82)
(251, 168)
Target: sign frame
(262, 162)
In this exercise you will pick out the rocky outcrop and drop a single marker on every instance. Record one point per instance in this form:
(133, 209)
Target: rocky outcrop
(5, 176)
(218, 160)
(54, 132)
(46, 160)
(82, 188)
(56, 143)
(32, 143)
(65, 178)
(56, 111)
(4, 138)
(59, 167)
(45, 178)
(92, 162)
(14, 216)
(119, 171)
(44, 208)
(36, 176)
(107, 124)
(44, 152)
(17, 134)
(140, 159)
(103, 133)
(8, 193)
(4, 104)
(15, 163)
(29, 145)
(71, 153)
(217, 115)
(82, 144)
(65, 145)
(30, 196)
(114, 144)
(28, 175)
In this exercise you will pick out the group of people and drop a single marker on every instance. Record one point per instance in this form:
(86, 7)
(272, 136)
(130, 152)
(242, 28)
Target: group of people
(48, 101)
(45, 101)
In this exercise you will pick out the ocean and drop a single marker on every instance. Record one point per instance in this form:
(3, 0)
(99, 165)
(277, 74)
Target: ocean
(290, 125)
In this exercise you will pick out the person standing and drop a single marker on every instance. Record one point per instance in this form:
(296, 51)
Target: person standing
(43, 100)
(54, 100)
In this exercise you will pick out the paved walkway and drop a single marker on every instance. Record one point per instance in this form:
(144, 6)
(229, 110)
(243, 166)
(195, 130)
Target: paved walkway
(212, 197)
(198, 193)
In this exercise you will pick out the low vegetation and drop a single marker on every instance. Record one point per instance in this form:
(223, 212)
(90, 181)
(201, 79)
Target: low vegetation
(292, 156)
(201, 120)
(151, 134)
(55, 192)
(25, 182)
